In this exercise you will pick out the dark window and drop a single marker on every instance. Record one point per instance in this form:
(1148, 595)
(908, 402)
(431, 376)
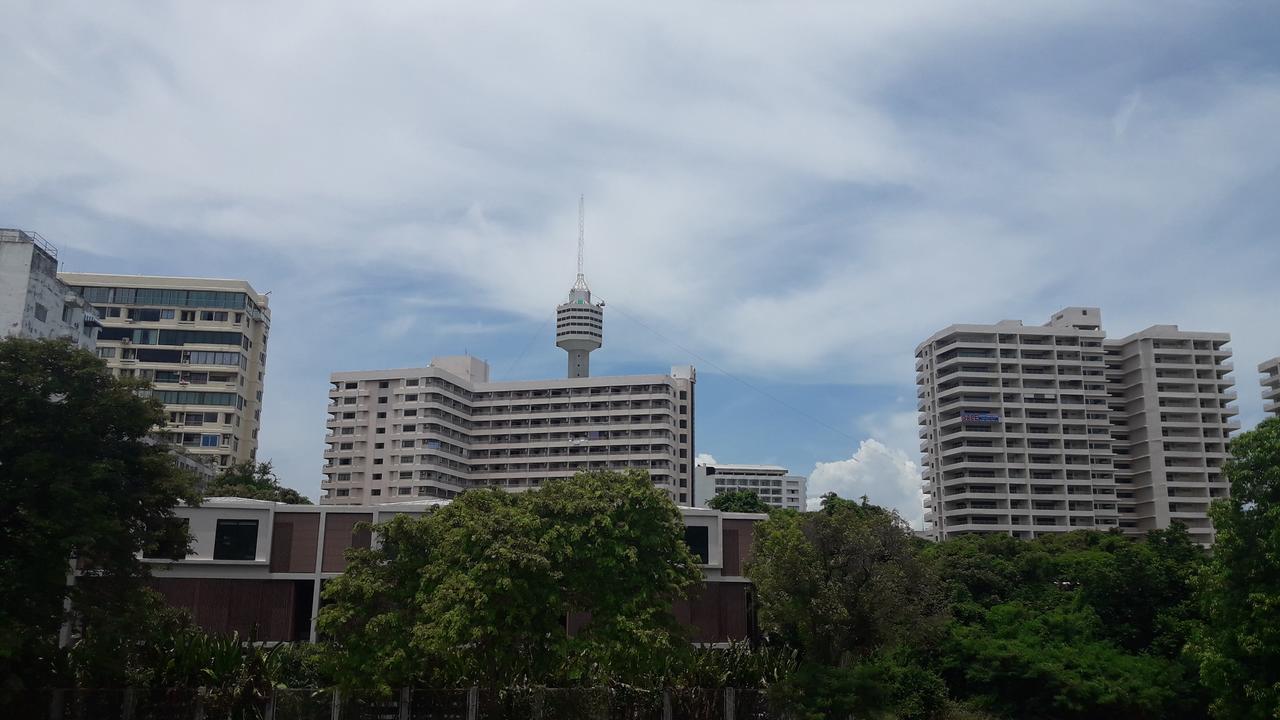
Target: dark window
(697, 538)
(235, 540)
(384, 384)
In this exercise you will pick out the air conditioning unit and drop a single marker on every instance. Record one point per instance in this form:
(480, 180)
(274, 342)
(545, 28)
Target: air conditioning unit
(130, 320)
(126, 341)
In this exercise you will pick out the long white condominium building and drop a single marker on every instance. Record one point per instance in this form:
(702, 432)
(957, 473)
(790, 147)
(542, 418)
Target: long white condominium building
(439, 430)
(34, 303)
(1271, 385)
(203, 345)
(1028, 430)
(770, 483)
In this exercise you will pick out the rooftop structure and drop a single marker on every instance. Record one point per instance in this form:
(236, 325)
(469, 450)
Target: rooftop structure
(34, 303)
(201, 342)
(579, 321)
(772, 484)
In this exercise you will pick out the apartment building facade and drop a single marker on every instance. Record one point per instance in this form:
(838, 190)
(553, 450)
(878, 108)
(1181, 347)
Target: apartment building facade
(258, 567)
(1028, 430)
(34, 303)
(1171, 415)
(772, 484)
(1270, 370)
(201, 342)
(433, 432)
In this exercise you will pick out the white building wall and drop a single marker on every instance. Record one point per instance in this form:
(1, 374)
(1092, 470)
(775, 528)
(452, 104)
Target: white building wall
(438, 430)
(770, 483)
(33, 302)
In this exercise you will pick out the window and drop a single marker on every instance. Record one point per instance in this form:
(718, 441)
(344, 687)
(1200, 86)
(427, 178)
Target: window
(378, 446)
(382, 415)
(350, 386)
(42, 312)
(410, 428)
(188, 316)
(698, 540)
(406, 475)
(382, 399)
(406, 490)
(375, 492)
(211, 316)
(66, 313)
(384, 384)
(344, 492)
(377, 476)
(344, 477)
(235, 540)
(106, 352)
(209, 441)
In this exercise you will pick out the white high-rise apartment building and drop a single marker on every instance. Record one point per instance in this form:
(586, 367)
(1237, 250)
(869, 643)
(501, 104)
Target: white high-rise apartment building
(1029, 430)
(439, 430)
(203, 345)
(1270, 370)
(770, 483)
(1170, 393)
(34, 303)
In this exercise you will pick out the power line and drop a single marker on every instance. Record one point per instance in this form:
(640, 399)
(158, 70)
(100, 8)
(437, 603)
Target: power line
(537, 333)
(754, 388)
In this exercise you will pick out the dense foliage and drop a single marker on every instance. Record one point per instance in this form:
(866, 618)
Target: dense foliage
(77, 479)
(254, 480)
(738, 501)
(478, 591)
(1240, 588)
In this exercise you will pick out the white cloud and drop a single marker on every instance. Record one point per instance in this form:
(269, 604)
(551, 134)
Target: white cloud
(705, 459)
(885, 476)
(813, 211)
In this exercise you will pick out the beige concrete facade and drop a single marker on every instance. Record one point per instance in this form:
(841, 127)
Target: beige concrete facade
(201, 342)
(439, 430)
(1270, 370)
(1028, 430)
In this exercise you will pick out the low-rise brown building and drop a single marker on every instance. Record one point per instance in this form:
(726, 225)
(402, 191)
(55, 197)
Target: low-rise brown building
(258, 567)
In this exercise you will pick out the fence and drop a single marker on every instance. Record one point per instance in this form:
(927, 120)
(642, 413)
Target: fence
(408, 704)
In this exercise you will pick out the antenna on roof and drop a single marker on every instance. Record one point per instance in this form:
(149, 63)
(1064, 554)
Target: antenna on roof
(582, 230)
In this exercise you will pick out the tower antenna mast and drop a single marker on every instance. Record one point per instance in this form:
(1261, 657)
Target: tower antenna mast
(582, 230)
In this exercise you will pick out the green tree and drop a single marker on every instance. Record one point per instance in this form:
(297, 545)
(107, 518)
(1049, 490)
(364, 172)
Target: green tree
(254, 480)
(77, 479)
(738, 501)
(1240, 588)
(849, 586)
(481, 590)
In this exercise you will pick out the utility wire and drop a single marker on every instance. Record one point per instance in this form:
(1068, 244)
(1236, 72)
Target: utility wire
(537, 333)
(754, 388)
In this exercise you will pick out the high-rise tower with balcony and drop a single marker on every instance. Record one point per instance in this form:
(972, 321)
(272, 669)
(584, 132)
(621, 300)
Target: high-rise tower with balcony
(1028, 430)
(580, 322)
(1270, 370)
(202, 343)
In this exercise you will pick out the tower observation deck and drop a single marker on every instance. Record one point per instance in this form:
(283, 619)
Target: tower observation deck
(580, 322)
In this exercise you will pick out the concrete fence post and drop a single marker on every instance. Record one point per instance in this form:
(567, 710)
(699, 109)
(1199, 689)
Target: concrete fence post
(473, 702)
(406, 700)
(269, 714)
(126, 705)
(335, 705)
(729, 699)
(57, 704)
(666, 704)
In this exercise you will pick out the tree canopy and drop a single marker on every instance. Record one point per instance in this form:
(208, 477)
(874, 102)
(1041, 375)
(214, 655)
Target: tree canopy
(254, 480)
(1240, 588)
(738, 501)
(484, 589)
(77, 479)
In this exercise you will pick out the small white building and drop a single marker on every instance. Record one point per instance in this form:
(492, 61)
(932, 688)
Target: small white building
(770, 483)
(34, 303)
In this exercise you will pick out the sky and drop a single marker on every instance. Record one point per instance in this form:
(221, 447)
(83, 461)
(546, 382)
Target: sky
(789, 196)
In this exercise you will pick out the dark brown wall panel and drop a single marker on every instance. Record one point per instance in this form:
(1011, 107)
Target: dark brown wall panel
(339, 534)
(746, 530)
(262, 609)
(293, 542)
